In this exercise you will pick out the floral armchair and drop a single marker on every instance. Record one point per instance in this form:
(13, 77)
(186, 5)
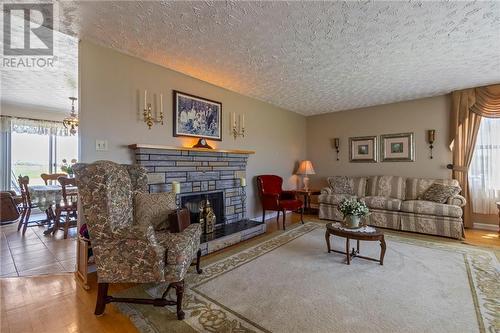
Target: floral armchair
(125, 251)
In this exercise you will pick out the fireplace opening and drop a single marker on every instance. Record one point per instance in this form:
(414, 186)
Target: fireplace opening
(193, 202)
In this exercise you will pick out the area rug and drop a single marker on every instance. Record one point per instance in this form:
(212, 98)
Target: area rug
(290, 283)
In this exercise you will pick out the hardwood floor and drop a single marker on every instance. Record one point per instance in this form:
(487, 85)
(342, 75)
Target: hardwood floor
(55, 303)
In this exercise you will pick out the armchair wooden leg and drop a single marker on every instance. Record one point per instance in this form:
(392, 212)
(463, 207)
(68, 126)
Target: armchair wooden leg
(179, 291)
(278, 220)
(102, 295)
(263, 216)
(284, 220)
(302, 215)
(198, 260)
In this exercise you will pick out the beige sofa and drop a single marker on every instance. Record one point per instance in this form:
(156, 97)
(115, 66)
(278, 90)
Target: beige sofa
(394, 203)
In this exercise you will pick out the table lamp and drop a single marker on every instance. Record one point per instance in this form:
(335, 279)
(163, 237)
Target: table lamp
(305, 169)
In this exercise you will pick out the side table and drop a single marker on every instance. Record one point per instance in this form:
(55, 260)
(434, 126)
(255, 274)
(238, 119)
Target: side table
(306, 194)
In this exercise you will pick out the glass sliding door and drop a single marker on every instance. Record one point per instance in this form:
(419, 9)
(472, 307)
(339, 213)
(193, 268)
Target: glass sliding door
(34, 154)
(30, 156)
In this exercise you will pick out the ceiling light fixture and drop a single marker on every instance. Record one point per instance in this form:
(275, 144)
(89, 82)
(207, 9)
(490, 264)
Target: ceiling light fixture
(71, 122)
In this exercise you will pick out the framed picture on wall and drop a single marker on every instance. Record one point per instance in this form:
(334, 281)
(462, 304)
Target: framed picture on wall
(397, 147)
(363, 149)
(197, 117)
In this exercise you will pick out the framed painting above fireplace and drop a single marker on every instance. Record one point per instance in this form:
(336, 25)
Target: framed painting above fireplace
(197, 117)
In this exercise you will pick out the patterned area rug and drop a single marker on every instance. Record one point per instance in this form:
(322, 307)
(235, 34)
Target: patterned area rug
(289, 283)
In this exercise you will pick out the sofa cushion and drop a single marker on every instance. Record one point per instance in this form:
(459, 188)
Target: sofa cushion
(340, 185)
(415, 187)
(334, 199)
(386, 186)
(440, 193)
(430, 208)
(382, 203)
(356, 185)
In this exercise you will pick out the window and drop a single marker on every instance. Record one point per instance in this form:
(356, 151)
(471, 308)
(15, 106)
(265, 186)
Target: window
(30, 147)
(34, 154)
(484, 172)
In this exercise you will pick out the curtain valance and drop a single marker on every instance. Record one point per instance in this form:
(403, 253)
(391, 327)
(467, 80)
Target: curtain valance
(487, 101)
(32, 126)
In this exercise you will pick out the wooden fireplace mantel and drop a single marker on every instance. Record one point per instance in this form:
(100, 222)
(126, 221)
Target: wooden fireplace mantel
(151, 146)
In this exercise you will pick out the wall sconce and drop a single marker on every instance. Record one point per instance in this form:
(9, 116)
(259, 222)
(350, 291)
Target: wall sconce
(235, 130)
(147, 114)
(431, 137)
(336, 144)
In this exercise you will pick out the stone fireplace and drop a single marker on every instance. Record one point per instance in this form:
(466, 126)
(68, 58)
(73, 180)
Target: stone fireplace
(201, 173)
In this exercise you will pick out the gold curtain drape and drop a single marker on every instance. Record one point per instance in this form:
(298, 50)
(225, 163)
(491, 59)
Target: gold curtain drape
(468, 107)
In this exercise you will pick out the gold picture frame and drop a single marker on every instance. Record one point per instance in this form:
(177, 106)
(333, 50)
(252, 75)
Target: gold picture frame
(363, 149)
(399, 147)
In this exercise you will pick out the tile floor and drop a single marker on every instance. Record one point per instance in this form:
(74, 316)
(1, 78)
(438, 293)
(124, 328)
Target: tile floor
(35, 253)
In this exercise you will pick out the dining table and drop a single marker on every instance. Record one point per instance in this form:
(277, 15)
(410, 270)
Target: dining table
(45, 196)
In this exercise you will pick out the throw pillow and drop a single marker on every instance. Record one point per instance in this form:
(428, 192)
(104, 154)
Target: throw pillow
(153, 209)
(440, 192)
(341, 185)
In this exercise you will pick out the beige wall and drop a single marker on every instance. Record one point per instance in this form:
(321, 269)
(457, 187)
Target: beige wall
(110, 86)
(415, 116)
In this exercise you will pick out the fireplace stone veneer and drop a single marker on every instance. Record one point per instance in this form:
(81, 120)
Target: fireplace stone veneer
(200, 171)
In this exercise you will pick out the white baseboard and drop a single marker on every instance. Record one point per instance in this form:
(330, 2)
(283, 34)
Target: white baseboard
(485, 226)
(269, 215)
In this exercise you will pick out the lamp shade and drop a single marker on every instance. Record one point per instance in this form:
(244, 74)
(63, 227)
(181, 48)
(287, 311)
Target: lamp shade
(306, 168)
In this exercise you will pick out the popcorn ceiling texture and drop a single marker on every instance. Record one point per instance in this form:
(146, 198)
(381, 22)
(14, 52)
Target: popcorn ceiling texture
(308, 57)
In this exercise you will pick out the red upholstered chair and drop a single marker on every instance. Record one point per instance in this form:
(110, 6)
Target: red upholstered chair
(274, 198)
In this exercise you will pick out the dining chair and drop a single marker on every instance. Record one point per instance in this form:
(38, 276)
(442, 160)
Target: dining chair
(67, 208)
(52, 177)
(26, 206)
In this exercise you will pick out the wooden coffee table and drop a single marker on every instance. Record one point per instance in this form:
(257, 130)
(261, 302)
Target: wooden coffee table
(377, 235)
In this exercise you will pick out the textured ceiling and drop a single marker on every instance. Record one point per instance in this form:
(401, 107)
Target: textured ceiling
(308, 57)
(45, 89)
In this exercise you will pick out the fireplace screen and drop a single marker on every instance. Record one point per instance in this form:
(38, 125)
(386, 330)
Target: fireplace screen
(193, 202)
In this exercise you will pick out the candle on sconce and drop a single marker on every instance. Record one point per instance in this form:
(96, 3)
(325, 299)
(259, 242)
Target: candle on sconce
(242, 124)
(243, 182)
(176, 187)
(233, 119)
(161, 102)
(431, 136)
(145, 99)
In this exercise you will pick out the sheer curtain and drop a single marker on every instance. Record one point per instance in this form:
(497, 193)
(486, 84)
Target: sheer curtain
(484, 172)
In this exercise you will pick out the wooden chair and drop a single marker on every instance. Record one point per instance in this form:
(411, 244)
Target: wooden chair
(26, 206)
(52, 177)
(67, 208)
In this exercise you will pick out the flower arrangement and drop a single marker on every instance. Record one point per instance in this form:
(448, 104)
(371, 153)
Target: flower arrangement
(68, 168)
(353, 207)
